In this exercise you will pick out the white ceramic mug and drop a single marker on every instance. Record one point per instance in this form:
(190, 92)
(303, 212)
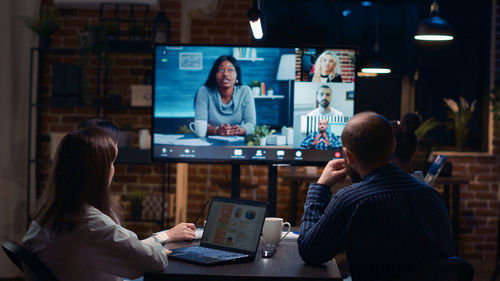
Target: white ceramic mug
(271, 232)
(199, 127)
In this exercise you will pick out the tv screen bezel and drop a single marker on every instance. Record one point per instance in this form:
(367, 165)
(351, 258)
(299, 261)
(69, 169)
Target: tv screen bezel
(245, 161)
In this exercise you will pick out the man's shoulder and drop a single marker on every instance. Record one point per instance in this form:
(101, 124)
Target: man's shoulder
(335, 112)
(315, 112)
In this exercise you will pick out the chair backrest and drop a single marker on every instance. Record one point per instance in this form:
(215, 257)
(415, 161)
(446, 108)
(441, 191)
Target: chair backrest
(34, 269)
(442, 269)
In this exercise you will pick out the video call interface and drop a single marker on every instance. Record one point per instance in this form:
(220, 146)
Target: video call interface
(251, 104)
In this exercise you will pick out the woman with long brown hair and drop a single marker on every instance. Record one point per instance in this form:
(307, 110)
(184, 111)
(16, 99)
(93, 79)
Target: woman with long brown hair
(75, 230)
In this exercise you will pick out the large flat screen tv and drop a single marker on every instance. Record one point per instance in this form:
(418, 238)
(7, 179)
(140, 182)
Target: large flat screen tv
(251, 104)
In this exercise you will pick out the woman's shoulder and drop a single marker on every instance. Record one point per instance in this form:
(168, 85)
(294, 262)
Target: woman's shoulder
(94, 218)
(244, 90)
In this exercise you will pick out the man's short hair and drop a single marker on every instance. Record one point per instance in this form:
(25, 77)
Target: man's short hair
(369, 137)
(323, 87)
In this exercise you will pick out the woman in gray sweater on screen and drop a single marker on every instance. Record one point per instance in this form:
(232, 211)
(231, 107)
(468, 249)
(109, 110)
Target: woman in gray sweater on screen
(226, 105)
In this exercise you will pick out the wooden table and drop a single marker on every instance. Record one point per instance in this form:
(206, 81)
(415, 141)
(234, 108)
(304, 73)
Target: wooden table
(286, 264)
(455, 183)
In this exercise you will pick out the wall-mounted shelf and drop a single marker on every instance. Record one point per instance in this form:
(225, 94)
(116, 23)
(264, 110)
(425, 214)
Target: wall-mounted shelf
(269, 97)
(250, 59)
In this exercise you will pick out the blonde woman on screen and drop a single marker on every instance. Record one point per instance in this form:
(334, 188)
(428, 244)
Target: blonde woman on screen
(327, 68)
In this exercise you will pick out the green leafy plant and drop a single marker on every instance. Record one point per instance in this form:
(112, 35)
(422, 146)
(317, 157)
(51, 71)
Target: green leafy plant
(260, 132)
(459, 115)
(427, 126)
(44, 25)
(184, 129)
(255, 83)
(136, 197)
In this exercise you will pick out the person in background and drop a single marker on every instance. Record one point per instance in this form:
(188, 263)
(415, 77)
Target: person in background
(321, 140)
(76, 232)
(387, 224)
(324, 99)
(327, 68)
(406, 143)
(182, 231)
(226, 104)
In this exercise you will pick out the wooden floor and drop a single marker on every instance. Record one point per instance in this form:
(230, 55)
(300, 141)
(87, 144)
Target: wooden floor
(482, 271)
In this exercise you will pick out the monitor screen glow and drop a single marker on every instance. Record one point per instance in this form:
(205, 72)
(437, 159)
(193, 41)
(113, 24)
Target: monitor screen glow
(216, 103)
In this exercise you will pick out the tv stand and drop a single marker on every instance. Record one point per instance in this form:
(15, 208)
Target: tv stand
(272, 186)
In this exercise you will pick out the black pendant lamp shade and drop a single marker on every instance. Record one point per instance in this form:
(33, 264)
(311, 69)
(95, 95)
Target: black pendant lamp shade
(434, 28)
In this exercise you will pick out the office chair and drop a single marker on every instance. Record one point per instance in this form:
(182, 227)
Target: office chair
(34, 269)
(442, 269)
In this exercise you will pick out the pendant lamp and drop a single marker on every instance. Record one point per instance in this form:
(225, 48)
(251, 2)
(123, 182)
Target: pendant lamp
(434, 28)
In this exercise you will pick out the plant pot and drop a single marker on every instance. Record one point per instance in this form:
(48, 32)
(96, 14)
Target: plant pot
(262, 141)
(136, 211)
(256, 91)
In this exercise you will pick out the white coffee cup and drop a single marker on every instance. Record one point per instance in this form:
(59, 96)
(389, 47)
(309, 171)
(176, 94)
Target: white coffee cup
(199, 127)
(271, 232)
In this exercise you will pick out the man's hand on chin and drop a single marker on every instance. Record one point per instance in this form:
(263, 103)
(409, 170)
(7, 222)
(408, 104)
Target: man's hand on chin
(335, 172)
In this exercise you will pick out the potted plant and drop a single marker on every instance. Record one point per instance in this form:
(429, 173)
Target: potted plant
(255, 85)
(270, 91)
(44, 26)
(137, 31)
(460, 115)
(426, 126)
(136, 198)
(259, 135)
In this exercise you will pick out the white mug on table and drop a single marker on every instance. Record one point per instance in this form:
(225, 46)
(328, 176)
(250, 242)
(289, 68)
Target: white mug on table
(199, 127)
(271, 232)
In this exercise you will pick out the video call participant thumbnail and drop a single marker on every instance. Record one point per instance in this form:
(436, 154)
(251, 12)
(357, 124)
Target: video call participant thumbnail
(226, 104)
(327, 68)
(324, 99)
(321, 140)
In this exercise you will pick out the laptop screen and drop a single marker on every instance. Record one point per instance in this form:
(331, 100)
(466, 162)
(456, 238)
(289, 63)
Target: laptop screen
(234, 223)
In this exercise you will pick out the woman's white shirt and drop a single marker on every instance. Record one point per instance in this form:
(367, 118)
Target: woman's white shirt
(98, 250)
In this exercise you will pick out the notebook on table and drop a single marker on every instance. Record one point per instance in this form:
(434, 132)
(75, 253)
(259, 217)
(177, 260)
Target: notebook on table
(231, 234)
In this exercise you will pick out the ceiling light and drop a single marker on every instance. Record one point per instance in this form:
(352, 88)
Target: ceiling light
(434, 28)
(375, 64)
(256, 20)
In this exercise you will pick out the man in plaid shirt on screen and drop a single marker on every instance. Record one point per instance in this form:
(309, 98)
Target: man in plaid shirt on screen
(321, 140)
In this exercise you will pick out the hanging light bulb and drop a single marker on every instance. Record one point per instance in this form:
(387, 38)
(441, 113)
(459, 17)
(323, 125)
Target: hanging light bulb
(256, 20)
(375, 64)
(434, 28)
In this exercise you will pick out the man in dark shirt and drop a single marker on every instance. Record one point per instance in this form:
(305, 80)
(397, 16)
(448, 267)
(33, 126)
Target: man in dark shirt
(321, 140)
(387, 224)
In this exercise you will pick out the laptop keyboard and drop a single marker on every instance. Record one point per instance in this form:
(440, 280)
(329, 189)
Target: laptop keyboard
(213, 253)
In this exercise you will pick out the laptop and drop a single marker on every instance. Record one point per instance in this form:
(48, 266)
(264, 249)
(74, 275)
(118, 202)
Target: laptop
(231, 235)
(435, 169)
